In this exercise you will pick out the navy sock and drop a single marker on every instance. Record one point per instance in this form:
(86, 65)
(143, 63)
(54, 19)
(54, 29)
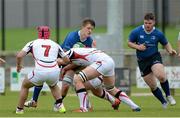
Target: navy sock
(58, 101)
(63, 96)
(165, 87)
(37, 90)
(158, 94)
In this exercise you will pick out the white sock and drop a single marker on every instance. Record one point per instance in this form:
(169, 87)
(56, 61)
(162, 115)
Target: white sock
(124, 98)
(108, 97)
(83, 99)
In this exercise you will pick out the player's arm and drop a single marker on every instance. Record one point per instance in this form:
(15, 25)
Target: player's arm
(2, 61)
(94, 44)
(133, 45)
(132, 41)
(61, 62)
(19, 59)
(169, 49)
(64, 57)
(70, 66)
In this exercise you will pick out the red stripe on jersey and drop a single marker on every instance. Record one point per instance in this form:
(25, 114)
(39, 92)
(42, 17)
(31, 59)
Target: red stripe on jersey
(32, 75)
(78, 56)
(46, 66)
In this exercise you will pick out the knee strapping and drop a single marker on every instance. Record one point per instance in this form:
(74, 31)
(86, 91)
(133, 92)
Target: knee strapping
(96, 82)
(83, 76)
(67, 79)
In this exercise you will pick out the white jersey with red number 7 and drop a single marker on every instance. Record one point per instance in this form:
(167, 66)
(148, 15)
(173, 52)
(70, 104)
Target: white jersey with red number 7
(45, 52)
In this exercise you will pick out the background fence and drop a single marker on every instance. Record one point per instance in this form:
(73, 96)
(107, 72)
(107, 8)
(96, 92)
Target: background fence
(30, 13)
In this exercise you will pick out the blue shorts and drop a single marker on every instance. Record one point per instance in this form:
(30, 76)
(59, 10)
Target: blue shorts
(146, 64)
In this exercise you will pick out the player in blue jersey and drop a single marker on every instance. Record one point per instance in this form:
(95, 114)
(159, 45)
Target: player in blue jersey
(145, 39)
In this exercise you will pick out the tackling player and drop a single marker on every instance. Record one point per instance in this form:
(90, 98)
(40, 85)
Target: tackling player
(96, 64)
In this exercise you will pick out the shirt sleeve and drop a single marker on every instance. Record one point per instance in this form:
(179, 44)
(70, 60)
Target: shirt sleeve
(162, 39)
(68, 43)
(28, 47)
(133, 36)
(61, 52)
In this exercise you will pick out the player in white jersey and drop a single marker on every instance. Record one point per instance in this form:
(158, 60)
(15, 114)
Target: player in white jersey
(96, 64)
(45, 53)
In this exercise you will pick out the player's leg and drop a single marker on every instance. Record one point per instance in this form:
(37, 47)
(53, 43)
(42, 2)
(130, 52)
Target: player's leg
(67, 82)
(56, 92)
(95, 85)
(52, 80)
(34, 100)
(159, 72)
(86, 74)
(109, 82)
(26, 84)
(151, 82)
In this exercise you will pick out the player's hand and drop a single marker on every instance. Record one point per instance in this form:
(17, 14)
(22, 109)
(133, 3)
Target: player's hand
(63, 71)
(173, 52)
(142, 47)
(18, 68)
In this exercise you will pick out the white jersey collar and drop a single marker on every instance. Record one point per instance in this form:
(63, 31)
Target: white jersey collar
(82, 40)
(150, 31)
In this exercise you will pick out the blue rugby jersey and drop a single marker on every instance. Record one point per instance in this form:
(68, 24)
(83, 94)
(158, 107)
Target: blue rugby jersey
(139, 36)
(74, 37)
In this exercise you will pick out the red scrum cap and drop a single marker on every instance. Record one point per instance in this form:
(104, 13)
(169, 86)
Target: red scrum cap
(43, 32)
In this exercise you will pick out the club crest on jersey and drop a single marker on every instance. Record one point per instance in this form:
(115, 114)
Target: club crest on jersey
(153, 37)
(142, 36)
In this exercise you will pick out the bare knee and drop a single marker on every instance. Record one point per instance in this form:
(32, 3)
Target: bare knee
(161, 78)
(77, 79)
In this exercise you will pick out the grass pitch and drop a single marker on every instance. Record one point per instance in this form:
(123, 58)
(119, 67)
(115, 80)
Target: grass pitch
(149, 105)
(17, 38)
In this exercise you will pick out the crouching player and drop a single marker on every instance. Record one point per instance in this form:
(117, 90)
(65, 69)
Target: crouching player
(94, 85)
(45, 53)
(96, 64)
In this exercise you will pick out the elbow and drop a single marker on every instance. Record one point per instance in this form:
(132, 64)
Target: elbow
(129, 44)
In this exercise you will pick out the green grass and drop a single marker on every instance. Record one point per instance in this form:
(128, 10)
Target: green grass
(150, 107)
(17, 38)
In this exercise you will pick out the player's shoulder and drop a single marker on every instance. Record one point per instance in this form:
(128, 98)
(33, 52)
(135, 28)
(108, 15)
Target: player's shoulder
(71, 36)
(30, 42)
(73, 33)
(157, 30)
(137, 29)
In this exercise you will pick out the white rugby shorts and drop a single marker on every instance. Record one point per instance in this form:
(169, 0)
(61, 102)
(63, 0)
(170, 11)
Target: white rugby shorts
(50, 76)
(104, 65)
